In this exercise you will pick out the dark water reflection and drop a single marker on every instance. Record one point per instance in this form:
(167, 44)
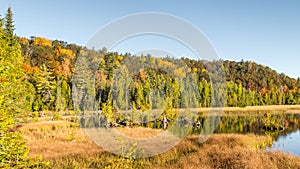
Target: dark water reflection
(242, 123)
(286, 140)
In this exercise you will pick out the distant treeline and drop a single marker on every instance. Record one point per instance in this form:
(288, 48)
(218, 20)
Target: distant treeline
(124, 81)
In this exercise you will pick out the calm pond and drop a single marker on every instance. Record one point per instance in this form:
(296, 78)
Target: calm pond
(286, 136)
(286, 140)
(288, 143)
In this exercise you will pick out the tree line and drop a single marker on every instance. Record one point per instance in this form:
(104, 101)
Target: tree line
(125, 81)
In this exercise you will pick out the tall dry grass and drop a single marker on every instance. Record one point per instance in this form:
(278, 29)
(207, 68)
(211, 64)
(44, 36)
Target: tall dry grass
(65, 145)
(55, 139)
(251, 109)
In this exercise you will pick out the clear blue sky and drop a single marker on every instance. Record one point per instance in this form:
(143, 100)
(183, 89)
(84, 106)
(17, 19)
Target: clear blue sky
(267, 32)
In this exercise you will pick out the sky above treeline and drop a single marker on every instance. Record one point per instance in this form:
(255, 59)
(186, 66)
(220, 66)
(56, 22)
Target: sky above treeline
(267, 32)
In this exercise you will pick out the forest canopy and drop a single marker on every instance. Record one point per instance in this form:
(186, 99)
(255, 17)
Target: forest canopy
(50, 66)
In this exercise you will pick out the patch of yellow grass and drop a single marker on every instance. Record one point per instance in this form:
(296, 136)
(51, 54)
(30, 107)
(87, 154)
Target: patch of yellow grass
(57, 139)
(139, 132)
(276, 108)
(233, 151)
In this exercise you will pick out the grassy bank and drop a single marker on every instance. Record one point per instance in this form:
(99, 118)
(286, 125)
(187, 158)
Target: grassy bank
(65, 145)
(71, 115)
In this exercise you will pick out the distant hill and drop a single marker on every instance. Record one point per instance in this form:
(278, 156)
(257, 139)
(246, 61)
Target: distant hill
(145, 81)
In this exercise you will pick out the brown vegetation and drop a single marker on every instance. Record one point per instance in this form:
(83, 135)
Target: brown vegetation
(65, 145)
(55, 139)
(252, 109)
(139, 132)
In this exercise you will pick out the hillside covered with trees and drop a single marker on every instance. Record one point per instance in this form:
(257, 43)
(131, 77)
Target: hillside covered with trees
(125, 81)
(50, 67)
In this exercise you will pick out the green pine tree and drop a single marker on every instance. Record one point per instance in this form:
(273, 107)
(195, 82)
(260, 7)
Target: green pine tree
(14, 96)
(45, 84)
(9, 24)
(1, 23)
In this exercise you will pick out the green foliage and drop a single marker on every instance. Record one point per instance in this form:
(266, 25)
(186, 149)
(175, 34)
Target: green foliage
(270, 121)
(107, 112)
(45, 84)
(9, 24)
(56, 116)
(145, 82)
(129, 158)
(15, 96)
(63, 93)
(13, 150)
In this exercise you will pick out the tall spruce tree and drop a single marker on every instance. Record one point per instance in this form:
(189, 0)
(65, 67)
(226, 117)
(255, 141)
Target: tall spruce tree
(1, 23)
(14, 96)
(9, 23)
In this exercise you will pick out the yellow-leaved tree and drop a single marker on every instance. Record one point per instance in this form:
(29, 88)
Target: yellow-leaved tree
(15, 99)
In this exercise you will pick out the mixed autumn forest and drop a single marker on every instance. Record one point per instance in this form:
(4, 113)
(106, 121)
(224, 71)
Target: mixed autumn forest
(49, 67)
(39, 74)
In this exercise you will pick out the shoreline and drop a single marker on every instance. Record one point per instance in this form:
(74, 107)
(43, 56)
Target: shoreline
(59, 142)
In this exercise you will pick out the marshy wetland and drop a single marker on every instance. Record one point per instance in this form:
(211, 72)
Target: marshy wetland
(242, 139)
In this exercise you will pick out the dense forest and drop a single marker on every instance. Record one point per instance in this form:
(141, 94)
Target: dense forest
(125, 81)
